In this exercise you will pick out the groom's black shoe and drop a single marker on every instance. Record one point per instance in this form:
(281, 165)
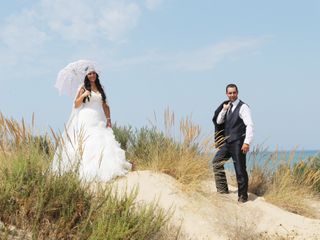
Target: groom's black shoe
(242, 199)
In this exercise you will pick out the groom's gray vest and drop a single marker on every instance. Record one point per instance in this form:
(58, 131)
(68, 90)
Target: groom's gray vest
(234, 127)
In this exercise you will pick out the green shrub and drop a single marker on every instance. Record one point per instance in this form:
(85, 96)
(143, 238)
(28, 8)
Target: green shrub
(60, 206)
(122, 135)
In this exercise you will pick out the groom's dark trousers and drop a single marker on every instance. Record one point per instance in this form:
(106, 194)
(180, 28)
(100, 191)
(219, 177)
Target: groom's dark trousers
(227, 151)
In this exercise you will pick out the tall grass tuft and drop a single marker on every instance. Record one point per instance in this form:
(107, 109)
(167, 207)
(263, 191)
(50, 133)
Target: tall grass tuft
(51, 206)
(185, 158)
(308, 171)
(285, 183)
(260, 171)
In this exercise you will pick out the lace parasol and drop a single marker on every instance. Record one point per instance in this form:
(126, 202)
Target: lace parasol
(70, 77)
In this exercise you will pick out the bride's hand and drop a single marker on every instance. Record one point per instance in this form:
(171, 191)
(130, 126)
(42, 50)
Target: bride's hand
(86, 93)
(109, 123)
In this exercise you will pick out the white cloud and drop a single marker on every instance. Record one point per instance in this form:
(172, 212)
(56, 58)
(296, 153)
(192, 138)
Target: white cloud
(118, 20)
(207, 58)
(87, 20)
(153, 4)
(201, 59)
(91, 22)
(98, 21)
(21, 33)
(72, 20)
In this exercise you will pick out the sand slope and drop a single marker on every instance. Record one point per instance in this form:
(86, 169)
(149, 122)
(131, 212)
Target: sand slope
(216, 216)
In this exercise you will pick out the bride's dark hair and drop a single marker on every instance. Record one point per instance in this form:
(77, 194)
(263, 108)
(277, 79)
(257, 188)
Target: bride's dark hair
(87, 86)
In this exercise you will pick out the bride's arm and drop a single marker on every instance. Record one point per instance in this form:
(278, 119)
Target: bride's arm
(81, 95)
(106, 110)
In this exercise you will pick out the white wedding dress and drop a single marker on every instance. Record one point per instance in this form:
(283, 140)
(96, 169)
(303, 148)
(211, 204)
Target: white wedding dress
(88, 146)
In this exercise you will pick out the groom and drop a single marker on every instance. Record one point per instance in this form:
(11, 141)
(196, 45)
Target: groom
(234, 134)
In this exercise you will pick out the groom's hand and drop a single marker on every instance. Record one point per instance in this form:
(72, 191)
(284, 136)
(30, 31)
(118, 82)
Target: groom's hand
(226, 106)
(245, 148)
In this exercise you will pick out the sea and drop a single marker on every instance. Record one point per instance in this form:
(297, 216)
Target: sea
(272, 159)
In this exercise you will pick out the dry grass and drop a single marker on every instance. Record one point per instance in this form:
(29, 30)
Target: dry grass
(289, 192)
(50, 206)
(259, 174)
(186, 158)
(283, 183)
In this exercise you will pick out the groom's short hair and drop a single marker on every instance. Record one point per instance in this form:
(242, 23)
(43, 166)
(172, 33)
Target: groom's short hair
(231, 85)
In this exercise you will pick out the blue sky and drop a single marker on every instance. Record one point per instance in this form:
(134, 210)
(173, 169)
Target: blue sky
(156, 54)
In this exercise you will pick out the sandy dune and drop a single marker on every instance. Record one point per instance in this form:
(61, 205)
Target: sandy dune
(215, 216)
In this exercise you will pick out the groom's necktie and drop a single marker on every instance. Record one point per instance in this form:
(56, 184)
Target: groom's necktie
(229, 111)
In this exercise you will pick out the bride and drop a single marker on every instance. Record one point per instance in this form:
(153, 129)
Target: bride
(88, 144)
